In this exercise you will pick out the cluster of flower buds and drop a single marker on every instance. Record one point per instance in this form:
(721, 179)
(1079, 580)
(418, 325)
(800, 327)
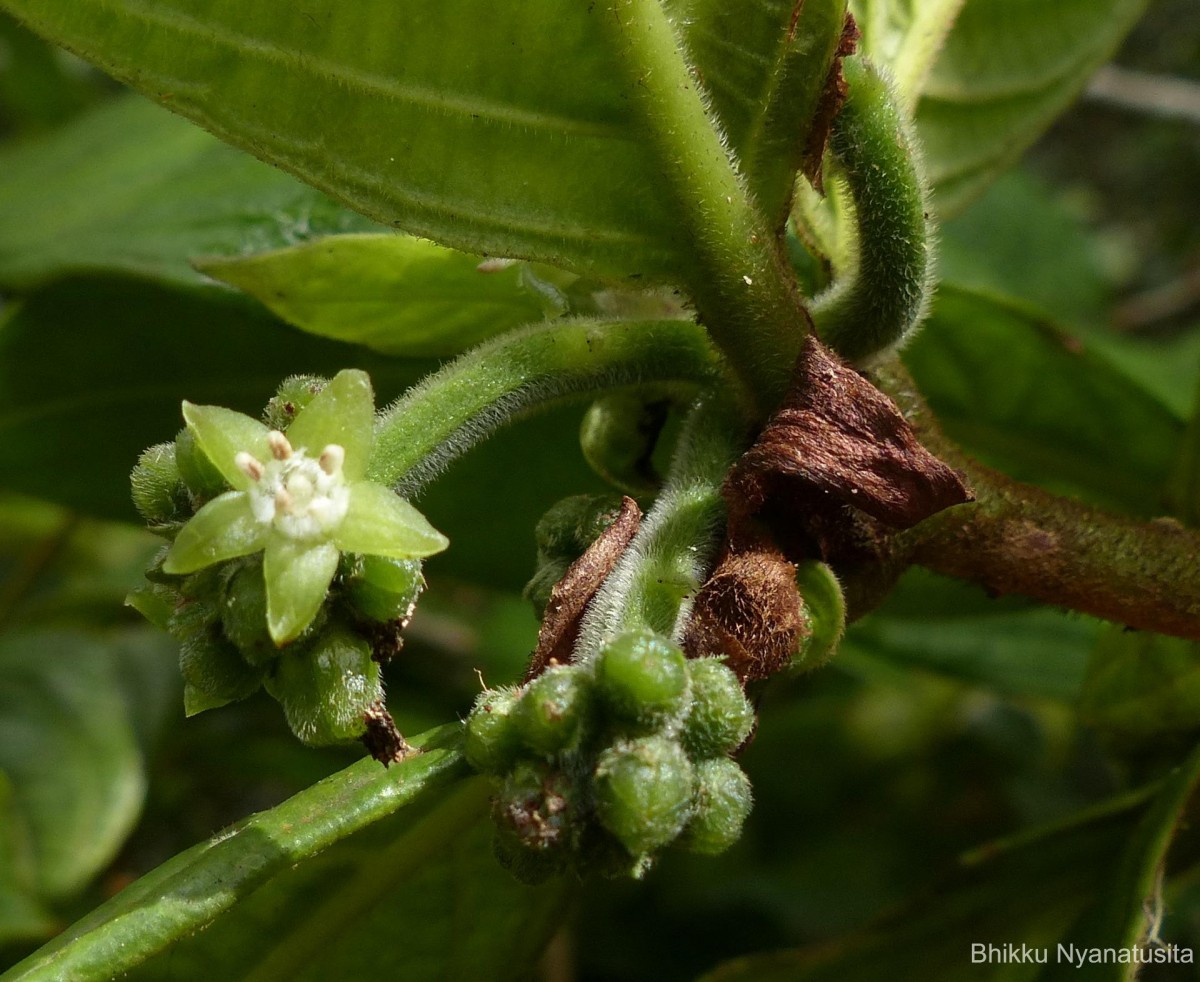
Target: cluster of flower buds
(287, 568)
(601, 765)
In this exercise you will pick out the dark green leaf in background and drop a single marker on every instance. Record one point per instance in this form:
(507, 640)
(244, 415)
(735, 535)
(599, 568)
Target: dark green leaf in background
(132, 188)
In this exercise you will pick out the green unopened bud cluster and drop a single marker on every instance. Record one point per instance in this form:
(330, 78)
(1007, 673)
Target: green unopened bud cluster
(328, 676)
(599, 766)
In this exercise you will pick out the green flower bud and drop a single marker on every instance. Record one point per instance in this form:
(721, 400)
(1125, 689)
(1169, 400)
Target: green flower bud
(618, 437)
(642, 677)
(723, 800)
(553, 710)
(562, 535)
(533, 809)
(294, 393)
(492, 741)
(214, 674)
(384, 589)
(244, 615)
(826, 612)
(643, 791)
(203, 479)
(326, 687)
(720, 716)
(158, 491)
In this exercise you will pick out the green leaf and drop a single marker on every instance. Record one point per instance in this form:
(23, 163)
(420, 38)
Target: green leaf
(522, 146)
(1122, 914)
(764, 66)
(1008, 68)
(1012, 389)
(38, 89)
(70, 751)
(1141, 686)
(22, 916)
(92, 372)
(131, 187)
(953, 629)
(394, 294)
(905, 36)
(369, 872)
(1026, 890)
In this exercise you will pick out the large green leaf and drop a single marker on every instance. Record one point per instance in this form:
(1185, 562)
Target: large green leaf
(320, 869)
(1007, 69)
(1027, 890)
(497, 130)
(131, 187)
(1122, 915)
(391, 293)
(69, 748)
(1011, 388)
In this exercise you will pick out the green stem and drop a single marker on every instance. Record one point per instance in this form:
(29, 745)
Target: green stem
(466, 401)
(886, 294)
(739, 281)
(671, 554)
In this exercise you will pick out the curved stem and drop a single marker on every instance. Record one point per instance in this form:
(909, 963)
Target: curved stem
(739, 280)
(667, 561)
(455, 408)
(886, 295)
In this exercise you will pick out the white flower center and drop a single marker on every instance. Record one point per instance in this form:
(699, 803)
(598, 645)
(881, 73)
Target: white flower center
(304, 497)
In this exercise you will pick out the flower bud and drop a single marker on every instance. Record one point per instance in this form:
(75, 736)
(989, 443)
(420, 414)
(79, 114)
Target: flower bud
(553, 709)
(214, 674)
(723, 800)
(158, 491)
(562, 535)
(533, 809)
(643, 791)
(294, 393)
(720, 716)
(244, 615)
(642, 677)
(492, 741)
(326, 687)
(383, 589)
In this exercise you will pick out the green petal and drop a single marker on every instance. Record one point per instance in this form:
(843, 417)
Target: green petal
(223, 529)
(379, 522)
(297, 575)
(222, 434)
(342, 413)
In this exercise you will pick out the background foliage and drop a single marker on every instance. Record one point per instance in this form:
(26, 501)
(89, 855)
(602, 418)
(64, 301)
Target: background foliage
(950, 719)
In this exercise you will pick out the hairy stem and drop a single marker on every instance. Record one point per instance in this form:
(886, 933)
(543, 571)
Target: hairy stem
(466, 401)
(667, 561)
(1016, 538)
(739, 281)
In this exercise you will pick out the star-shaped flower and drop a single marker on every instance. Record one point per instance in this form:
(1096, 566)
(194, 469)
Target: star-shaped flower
(302, 499)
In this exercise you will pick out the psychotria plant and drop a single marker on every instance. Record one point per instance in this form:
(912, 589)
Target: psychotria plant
(712, 229)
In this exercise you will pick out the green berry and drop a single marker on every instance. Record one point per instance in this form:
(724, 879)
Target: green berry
(244, 615)
(643, 791)
(723, 800)
(327, 686)
(553, 709)
(720, 717)
(214, 674)
(158, 491)
(294, 393)
(642, 677)
(385, 590)
(492, 741)
(533, 809)
(826, 608)
(203, 480)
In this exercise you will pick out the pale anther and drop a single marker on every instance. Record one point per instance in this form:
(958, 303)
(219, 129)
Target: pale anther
(332, 458)
(248, 464)
(280, 448)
